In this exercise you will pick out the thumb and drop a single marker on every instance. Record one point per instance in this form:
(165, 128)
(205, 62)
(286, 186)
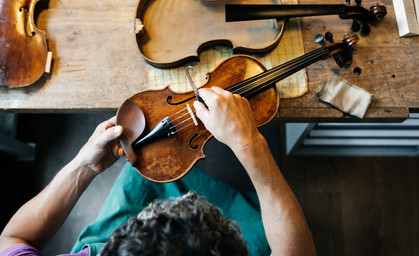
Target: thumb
(109, 135)
(201, 112)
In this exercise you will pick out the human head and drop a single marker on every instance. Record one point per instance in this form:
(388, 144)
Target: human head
(186, 225)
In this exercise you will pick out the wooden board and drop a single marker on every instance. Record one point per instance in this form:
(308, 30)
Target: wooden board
(175, 31)
(97, 64)
(389, 67)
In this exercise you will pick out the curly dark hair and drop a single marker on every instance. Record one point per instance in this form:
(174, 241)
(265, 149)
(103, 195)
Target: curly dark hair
(187, 225)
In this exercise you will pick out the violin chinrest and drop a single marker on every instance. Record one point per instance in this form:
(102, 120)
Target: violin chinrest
(132, 119)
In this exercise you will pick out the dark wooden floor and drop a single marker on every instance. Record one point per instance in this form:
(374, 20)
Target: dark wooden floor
(357, 205)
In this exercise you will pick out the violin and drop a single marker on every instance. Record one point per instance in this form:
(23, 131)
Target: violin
(242, 12)
(23, 54)
(205, 27)
(162, 136)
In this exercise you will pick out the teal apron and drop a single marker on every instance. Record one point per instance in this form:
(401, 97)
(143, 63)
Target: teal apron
(131, 193)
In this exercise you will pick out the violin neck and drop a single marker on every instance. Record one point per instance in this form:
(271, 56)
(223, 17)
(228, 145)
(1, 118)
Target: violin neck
(238, 12)
(264, 80)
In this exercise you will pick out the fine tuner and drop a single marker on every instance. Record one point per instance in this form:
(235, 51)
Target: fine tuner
(359, 15)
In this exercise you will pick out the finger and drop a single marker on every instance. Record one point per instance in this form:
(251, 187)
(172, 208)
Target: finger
(219, 90)
(120, 152)
(109, 135)
(109, 123)
(208, 94)
(104, 126)
(201, 111)
(117, 150)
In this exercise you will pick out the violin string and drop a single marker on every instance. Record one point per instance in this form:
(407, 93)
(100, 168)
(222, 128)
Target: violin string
(288, 70)
(275, 77)
(173, 126)
(177, 112)
(239, 85)
(278, 71)
(180, 116)
(183, 121)
(246, 86)
(280, 74)
(184, 127)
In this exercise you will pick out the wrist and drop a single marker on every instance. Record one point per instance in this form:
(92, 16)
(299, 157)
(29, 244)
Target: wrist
(82, 169)
(250, 146)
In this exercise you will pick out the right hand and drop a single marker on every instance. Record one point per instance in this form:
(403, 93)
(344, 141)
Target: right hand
(228, 117)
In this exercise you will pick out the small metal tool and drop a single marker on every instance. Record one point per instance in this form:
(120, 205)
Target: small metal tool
(195, 90)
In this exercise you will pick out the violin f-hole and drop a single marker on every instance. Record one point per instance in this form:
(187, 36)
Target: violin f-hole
(170, 102)
(27, 22)
(194, 137)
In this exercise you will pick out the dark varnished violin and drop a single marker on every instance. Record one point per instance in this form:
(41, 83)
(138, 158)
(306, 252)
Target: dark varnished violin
(23, 54)
(242, 12)
(163, 138)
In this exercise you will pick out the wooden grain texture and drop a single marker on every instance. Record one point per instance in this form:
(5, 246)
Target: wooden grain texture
(23, 53)
(358, 205)
(175, 32)
(97, 64)
(96, 61)
(388, 63)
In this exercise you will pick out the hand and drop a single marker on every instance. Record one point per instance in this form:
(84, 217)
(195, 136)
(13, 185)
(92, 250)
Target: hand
(228, 117)
(102, 149)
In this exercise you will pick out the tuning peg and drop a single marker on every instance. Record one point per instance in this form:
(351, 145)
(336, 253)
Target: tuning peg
(329, 37)
(319, 39)
(355, 26)
(338, 57)
(348, 2)
(365, 29)
(358, 2)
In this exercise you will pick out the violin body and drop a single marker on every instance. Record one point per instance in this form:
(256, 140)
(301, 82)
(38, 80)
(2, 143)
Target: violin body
(163, 138)
(173, 32)
(24, 51)
(170, 158)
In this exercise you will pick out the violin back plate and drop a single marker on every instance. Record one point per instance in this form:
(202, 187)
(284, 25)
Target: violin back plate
(176, 31)
(23, 53)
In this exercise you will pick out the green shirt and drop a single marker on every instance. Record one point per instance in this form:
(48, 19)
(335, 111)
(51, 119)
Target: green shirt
(131, 193)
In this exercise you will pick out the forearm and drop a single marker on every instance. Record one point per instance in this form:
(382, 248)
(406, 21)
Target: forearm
(284, 222)
(38, 220)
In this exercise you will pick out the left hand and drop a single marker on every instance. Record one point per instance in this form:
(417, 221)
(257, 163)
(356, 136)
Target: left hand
(102, 149)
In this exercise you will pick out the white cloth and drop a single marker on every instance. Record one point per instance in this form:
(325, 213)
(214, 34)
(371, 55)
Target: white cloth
(345, 96)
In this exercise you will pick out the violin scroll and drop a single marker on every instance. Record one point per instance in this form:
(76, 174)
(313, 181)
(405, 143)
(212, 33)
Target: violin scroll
(350, 40)
(362, 16)
(378, 12)
(341, 52)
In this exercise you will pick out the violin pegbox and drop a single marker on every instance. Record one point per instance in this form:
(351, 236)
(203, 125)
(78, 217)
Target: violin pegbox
(341, 52)
(375, 13)
(348, 42)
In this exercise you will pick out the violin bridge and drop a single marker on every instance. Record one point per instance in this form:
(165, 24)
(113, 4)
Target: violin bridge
(192, 114)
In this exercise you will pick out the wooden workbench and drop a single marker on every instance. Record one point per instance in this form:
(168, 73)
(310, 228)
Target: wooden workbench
(97, 64)
(389, 69)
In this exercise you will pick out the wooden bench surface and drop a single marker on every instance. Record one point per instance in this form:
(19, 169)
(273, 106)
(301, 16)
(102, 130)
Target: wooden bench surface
(97, 64)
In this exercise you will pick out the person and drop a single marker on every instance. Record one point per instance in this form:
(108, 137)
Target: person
(183, 225)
